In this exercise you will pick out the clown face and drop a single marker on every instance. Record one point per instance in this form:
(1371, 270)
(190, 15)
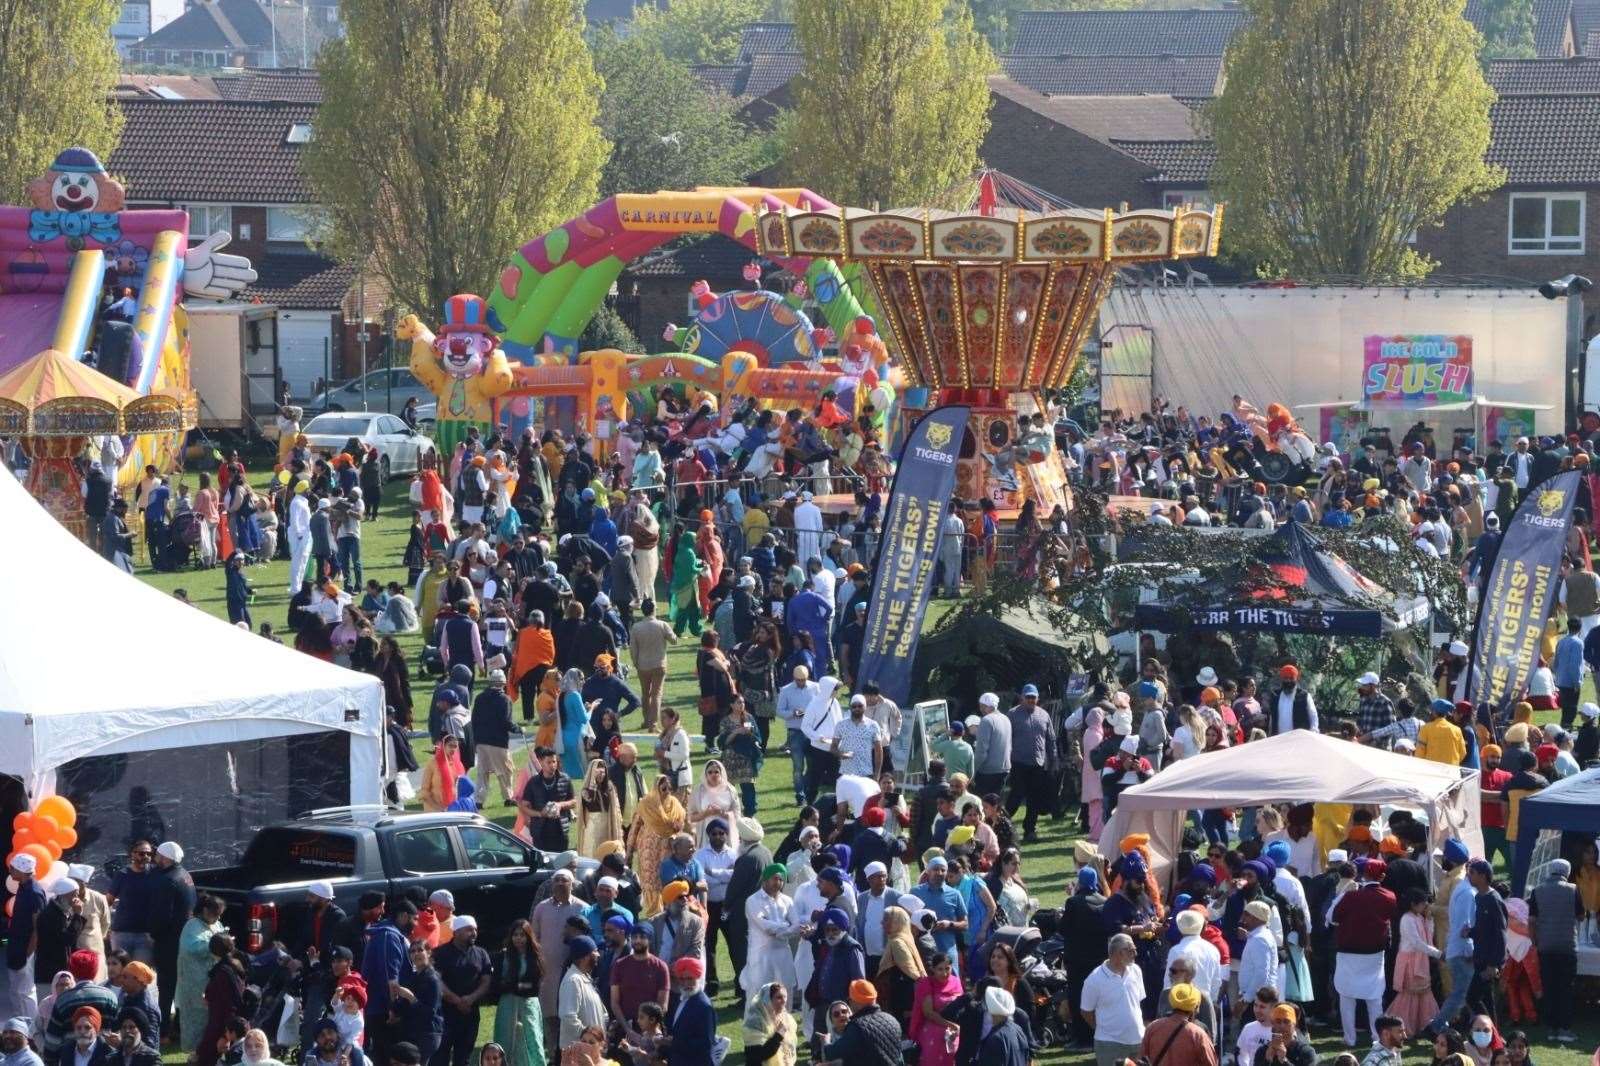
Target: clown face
(74, 192)
(463, 353)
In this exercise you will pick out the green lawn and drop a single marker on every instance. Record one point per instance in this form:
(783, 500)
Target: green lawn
(1047, 865)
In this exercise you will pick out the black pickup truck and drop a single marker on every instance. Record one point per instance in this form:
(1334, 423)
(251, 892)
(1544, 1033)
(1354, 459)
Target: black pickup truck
(493, 874)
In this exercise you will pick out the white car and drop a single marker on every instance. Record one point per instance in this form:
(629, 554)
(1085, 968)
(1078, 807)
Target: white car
(400, 447)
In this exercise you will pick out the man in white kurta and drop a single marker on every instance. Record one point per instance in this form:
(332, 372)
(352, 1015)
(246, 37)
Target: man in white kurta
(299, 534)
(807, 530)
(773, 927)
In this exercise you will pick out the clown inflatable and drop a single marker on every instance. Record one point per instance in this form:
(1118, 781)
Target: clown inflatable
(463, 366)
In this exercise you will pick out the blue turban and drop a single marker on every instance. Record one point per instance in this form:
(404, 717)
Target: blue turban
(1278, 852)
(837, 918)
(619, 921)
(1272, 867)
(834, 874)
(1455, 853)
(840, 853)
(580, 947)
(1262, 871)
(1133, 868)
(1089, 879)
(1203, 872)
(1181, 901)
(1442, 706)
(716, 823)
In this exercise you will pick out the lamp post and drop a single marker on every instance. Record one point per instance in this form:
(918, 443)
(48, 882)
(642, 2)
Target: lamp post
(1572, 286)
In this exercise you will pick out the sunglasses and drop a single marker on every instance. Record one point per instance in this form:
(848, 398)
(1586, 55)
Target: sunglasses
(144, 854)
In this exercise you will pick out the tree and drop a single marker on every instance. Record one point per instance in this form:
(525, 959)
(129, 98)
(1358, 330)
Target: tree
(891, 104)
(667, 130)
(607, 330)
(1344, 127)
(696, 31)
(451, 131)
(58, 66)
(1508, 29)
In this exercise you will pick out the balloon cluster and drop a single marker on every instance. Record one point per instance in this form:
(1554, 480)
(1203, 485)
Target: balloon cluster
(44, 833)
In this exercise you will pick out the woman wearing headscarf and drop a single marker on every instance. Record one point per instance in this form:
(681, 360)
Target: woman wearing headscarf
(224, 997)
(441, 775)
(685, 588)
(769, 1030)
(713, 797)
(1093, 720)
(194, 960)
(708, 545)
(599, 815)
(900, 967)
(928, 1027)
(660, 815)
(574, 717)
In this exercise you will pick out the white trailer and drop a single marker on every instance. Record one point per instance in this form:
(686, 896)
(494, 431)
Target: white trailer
(233, 364)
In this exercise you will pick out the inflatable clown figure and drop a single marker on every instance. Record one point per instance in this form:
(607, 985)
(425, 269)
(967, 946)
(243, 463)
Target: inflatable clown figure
(462, 365)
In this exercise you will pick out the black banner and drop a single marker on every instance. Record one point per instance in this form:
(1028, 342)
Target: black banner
(1521, 589)
(1328, 623)
(923, 483)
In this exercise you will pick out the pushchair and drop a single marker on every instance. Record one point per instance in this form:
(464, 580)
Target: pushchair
(180, 539)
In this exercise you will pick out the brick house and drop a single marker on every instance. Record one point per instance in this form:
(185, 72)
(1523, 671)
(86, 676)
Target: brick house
(234, 165)
(654, 290)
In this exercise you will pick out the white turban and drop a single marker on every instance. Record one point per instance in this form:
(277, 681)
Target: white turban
(998, 1002)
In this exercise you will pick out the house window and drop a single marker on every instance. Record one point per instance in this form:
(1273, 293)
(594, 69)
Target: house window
(299, 133)
(1546, 223)
(294, 225)
(1196, 198)
(206, 219)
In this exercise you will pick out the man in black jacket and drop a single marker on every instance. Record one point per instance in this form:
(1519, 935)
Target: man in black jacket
(742, 882)
(172, 905)
(1488, 932)
(873, 1036)
(1084, 932)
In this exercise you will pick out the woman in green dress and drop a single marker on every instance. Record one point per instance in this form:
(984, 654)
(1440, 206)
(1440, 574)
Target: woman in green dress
(686, 571)
(518, 1022)
(194, 966)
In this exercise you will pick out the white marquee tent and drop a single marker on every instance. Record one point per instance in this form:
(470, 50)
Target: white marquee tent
(152, 715)
(1297, 767)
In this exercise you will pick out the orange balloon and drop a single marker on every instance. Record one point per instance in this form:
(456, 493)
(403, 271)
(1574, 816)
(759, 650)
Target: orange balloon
(67, 837)
(21, 820)
(41, 855)
(11, 859)
(22, 839)
(12, 902)
(58, 807)
(44, 827)
(52, 849)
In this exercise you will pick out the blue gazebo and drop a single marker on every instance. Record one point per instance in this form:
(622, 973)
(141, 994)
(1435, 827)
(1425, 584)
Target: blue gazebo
(1570, 805)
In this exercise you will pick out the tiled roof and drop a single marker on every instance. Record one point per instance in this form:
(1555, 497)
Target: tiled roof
(1116, 75)
(1123, 33)
(1547, 140)
(759, 37)
(167, 87)
(725, 78)
(220, 26)
(1518, 77)
(1591, 43)
(714, 256)
(1585, 20)
(298, 86)
(212, 151)
(1106, 118)
(299, 281)
(1550, 18)
(1175, 162)
(769, 72)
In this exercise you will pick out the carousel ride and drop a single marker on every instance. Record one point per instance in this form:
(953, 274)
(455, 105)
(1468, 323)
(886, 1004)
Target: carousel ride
(990, 308)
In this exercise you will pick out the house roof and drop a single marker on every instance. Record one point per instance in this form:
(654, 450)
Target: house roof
(1548, 140)
(722, 77)
(167, 87)
(1175, 162)
(1122, 33)
(212, 151)
(1585, 20)
(1550, 20)
(1518, 77)
(759, 37)
(768, 72)
(1591, 43)
(1105, 118)
(713, 256)
(1116, 75)
(301, 281)
(222, 26)
(288, 83)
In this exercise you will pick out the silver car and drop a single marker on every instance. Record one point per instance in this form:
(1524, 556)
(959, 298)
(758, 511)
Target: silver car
(387, 390)
(400, 448)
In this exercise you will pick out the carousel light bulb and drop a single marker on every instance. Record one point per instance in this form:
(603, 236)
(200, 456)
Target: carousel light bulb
(1020, 315)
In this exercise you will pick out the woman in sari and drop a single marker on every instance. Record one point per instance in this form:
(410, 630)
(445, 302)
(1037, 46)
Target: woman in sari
(441, 774)
(574, 716)
(713, 797)
(928, 1027)
(518, 1024)
(900, 968)
(769, 1029)
(659, 816)
(708, 545)
(599, 813)
(685, 588)
(545, 710)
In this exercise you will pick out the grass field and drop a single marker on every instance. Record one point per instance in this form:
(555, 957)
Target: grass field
(1047, 866)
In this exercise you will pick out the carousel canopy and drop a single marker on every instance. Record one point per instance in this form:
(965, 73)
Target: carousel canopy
(53, 395)
(999, 300)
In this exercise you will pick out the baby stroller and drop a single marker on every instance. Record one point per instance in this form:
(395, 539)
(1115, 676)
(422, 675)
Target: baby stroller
(182, 537)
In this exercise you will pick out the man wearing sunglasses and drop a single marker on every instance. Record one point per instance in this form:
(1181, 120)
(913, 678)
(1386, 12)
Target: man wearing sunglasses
(133, 895)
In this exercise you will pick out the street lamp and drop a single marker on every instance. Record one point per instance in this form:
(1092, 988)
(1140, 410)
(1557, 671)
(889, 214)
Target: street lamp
(1572, 286)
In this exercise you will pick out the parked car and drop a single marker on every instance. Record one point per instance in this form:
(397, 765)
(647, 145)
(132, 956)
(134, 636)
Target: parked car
(427, 415)
(387, 390)
(400, 447)
(493, 875)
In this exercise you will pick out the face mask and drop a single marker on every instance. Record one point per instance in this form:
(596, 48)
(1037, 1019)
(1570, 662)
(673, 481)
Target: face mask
(1482, 1039)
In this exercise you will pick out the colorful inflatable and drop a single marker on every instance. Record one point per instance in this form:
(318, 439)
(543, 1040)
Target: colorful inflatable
(463, 365)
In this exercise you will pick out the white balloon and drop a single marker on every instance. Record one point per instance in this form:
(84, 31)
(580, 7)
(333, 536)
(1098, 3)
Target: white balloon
(57, 871)
(11, 885)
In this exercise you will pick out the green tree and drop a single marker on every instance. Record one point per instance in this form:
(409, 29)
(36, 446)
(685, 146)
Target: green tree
(892, 103)
(57, 69)
(697, 31)
(607, 330)
(1345, 126)
(1508, 29)
(451, 131)
(666, 129)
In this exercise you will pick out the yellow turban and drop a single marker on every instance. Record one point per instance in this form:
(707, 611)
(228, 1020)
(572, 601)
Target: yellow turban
(608, 847)
(674, 890)
(1517, 733)
(960, 835)
(1185, 997)
(1522, 712)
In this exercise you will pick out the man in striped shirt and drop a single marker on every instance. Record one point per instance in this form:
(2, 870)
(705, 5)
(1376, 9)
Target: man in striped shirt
(1406, 726)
